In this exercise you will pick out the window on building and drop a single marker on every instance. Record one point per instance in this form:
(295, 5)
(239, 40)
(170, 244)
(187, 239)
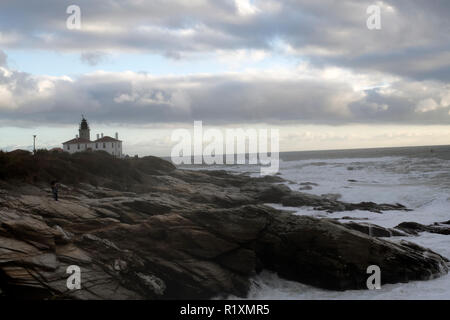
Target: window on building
(104, 145)
(68, 147)
(96, 146)
(78, 147)
(112, 144)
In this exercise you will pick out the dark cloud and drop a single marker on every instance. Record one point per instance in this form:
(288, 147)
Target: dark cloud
(92, 58)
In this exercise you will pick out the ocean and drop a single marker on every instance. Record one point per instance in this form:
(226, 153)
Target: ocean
(417, 177)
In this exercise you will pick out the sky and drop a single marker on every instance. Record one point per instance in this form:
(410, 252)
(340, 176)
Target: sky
(310, 68)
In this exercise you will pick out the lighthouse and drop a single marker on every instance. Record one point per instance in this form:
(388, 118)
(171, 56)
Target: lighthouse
(82, 142)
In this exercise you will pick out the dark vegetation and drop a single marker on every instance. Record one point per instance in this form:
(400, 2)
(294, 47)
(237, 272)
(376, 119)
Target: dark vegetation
(96, 168)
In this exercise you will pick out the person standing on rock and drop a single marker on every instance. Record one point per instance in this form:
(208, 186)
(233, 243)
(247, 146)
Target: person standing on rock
(55, 190)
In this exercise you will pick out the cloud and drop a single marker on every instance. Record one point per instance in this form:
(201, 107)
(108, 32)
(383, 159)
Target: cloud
(92, 58)
(348, 74)
(3, 59)
(302, 95)
(413, 42)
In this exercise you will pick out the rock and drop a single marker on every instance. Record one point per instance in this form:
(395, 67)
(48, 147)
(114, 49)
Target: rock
(151, 231)
(63, 236)
(374, 230)
(300, 199)
(330, 204)
(309, 184)
(153, 283)
(274, 193)
(32, 230)
(328, 255)
(332, 196)
(148, 207)
(73, 254)
(415, 228)
(120, 265)
(15, 250)
(242, 261)
(373, 207)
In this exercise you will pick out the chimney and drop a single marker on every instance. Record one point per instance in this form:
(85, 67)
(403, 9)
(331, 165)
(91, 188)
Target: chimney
(117, 136)
(102, 134)
(98, 136)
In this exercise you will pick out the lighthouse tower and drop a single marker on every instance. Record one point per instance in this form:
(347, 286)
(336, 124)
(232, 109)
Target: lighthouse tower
(85, 132)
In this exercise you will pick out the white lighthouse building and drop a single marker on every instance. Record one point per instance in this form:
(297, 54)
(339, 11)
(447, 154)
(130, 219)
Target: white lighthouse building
(82, 142)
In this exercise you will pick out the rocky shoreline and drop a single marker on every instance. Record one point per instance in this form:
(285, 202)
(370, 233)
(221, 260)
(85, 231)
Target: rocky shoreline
(173, 234)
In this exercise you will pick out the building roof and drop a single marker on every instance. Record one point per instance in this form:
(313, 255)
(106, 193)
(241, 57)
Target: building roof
(77, 140)
(107, 139)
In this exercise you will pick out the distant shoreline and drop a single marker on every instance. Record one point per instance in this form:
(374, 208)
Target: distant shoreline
(438, 151)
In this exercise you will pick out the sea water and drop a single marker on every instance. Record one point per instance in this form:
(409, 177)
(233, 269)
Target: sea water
(417, 177)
